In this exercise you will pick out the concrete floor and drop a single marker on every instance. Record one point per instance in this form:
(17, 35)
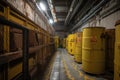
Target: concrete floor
(65, 68)
(58, 72)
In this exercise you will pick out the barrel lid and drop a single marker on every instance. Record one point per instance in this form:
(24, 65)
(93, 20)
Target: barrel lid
(94, 27)
(117, 22)
(112, 29)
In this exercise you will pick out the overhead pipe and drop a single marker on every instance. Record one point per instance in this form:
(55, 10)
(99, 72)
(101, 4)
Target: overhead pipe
(85, 20)
(84, 10)
(70, 10)
(87, 6)
(69, 17)
(75, 10)
(90, 14)
(114, 7)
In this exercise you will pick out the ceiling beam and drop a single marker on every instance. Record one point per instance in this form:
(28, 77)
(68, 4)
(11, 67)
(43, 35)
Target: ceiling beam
(61, 13)
(60, 2)
(61, 9)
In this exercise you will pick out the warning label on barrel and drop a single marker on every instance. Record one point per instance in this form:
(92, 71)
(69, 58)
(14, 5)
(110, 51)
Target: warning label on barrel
(78, 40)
(93, 39)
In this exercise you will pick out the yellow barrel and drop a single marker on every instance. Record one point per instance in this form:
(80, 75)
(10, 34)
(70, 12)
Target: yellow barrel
(78, 48)
(71, 44)
(67, 43)
(56, 40)
(64, 42)
(74, 43)
(93, 50)
(109, 49)
(117, 52)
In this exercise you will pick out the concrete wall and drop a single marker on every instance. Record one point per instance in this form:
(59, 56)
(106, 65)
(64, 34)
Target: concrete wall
(61, 34)
(109, 21)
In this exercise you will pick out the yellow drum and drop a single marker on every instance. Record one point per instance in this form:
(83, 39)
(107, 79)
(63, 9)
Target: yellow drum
(56, 40)
(64, 42)
(74, 44)
(93, 50)
(67, 42)
(110, 42)
(117, 52)
(78, 48)
(71, 44)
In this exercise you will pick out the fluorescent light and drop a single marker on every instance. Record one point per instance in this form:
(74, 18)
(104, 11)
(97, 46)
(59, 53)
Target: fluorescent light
(51, 21)
(42, 6)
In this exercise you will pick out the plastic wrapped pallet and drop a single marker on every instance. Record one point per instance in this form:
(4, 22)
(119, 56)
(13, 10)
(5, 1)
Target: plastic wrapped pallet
(21, 6)
(39, 21)
(29, 12)
(12, 2)
(18, 4)
(36, 18)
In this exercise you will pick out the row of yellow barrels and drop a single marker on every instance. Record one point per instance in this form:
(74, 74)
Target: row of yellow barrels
(56, 41)
(90, 50)
(73, 45)
(92, 53)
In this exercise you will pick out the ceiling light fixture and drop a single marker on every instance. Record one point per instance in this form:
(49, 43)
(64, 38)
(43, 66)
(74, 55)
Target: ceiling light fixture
(42, 6)
(51, 21)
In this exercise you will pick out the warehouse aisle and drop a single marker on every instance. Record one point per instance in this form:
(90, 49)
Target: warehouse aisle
(65, 68)
(58, 72)
(74, 70)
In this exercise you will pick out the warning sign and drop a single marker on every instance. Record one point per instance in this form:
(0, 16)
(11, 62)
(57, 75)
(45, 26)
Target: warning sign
(78, 40)
(93, 39)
